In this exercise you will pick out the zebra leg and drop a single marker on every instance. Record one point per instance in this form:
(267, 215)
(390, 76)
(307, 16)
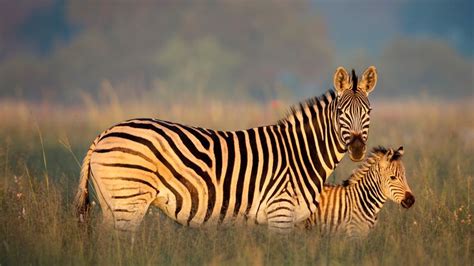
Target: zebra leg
(123, 205)
(128, 213)
(281, 214)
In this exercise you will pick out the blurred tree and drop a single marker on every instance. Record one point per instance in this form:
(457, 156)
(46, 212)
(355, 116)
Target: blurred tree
(203, 47)
(430, 67)
(196, 68)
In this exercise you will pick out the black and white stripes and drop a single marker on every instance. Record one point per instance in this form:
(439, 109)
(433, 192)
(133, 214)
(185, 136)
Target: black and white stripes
(267, 175)
(352, 208)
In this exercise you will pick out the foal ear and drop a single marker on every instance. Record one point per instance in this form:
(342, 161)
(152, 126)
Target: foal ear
(397, 154)
(368, 81)
(387, 158)
(400, 150)
(342, 81)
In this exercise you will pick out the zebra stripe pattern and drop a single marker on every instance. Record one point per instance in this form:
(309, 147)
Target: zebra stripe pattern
(267, 175)
(352, 208)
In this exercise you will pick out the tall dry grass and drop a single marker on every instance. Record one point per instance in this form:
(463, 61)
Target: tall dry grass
(41, 146)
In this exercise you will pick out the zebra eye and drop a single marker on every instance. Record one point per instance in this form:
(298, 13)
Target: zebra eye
(393, 177)
(370, 109)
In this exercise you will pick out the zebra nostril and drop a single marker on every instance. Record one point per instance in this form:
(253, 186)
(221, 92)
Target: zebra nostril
(408, 201)
(357, 148)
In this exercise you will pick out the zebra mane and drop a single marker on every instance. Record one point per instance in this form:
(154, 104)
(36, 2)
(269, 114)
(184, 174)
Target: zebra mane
(354, 81)
(294, 110)
(376, 154)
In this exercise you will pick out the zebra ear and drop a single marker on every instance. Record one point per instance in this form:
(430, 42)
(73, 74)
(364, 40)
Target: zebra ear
(387, 158)
(342, 80)
(369, 80)
(400, 150)
(397, 154)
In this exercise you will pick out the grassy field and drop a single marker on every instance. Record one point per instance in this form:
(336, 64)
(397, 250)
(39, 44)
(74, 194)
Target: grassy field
(41, 147)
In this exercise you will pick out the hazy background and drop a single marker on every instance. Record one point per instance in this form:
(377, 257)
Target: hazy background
(68, 51)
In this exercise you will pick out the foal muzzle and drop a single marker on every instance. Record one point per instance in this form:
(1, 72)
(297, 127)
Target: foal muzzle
(408, 201)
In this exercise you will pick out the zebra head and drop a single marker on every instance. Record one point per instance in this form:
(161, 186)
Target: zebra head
(353, 109)
(393, 180)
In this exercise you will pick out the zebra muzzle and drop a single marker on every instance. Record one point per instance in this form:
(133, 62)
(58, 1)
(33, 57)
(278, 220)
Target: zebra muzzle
(408, 201)
(357, 148)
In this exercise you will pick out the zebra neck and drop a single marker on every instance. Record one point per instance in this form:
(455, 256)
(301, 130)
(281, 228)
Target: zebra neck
(316, 131)
(312, 146)
(368, 196)
(338, 143)
(328, 137)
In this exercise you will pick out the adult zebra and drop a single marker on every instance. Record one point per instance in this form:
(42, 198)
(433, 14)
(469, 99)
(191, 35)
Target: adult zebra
(352, 208)
(196, 176)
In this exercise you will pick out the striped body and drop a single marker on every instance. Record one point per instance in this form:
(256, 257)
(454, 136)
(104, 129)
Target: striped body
(266, 175)
(352, 208)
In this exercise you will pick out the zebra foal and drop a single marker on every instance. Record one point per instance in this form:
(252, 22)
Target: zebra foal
(352, 208)
(267, 175)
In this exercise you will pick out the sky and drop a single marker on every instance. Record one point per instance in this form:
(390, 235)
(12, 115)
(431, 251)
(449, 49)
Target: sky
(360, 32)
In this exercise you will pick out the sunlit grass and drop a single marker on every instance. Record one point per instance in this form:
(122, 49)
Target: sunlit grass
(39, 172)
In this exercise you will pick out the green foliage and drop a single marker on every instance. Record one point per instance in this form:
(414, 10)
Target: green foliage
(37, 225)
(199, 67)
(218, 48)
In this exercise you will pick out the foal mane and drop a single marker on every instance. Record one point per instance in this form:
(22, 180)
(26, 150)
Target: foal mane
(376, 154)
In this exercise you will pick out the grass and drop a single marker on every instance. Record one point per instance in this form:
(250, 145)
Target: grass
(41, 146)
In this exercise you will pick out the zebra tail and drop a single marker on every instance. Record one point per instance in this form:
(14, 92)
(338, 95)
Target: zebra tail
(81, 200)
